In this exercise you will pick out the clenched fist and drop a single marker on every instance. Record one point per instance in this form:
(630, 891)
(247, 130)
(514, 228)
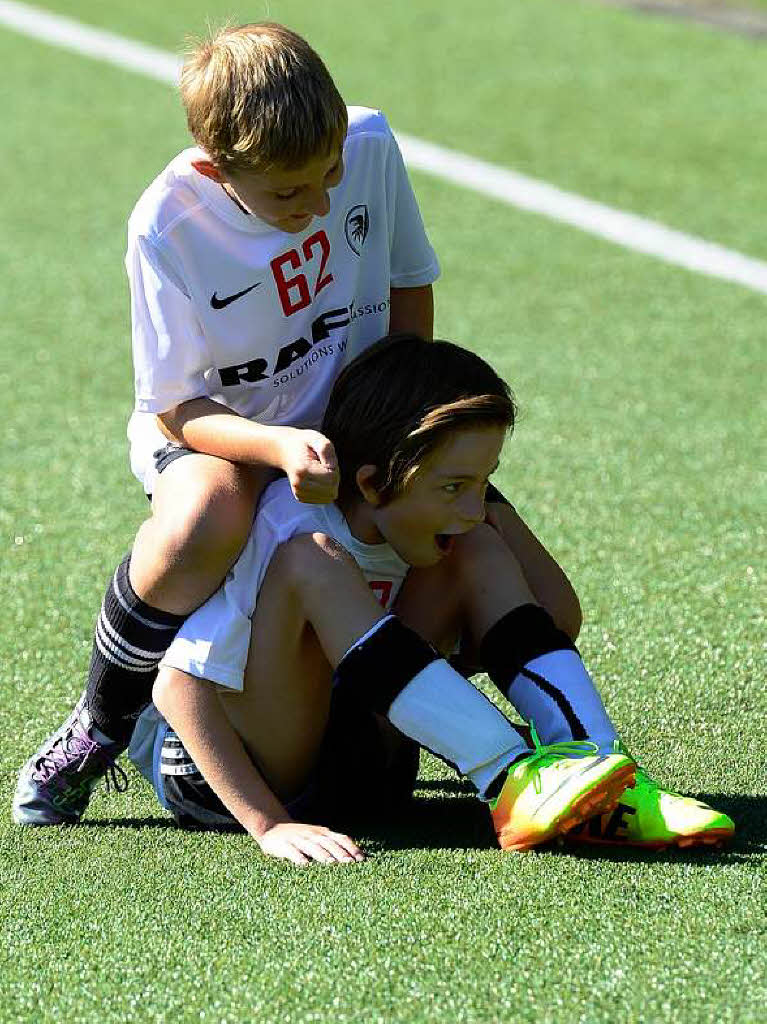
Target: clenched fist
(309, 461)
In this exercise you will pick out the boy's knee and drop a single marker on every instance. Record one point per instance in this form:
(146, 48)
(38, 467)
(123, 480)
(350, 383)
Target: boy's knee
(312, 559)
(209, 523)
(469, 548)
(483, 545)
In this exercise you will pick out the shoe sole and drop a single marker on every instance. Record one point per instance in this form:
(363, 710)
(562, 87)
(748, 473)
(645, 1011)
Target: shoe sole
(599, 800)
(716, 838)
(49, 823)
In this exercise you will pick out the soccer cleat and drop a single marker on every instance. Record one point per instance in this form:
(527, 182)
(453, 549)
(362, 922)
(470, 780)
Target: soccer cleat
(652, 817)
(56, 783)
(555, 788)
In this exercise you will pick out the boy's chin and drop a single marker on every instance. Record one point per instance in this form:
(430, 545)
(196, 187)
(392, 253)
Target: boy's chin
(293, 227)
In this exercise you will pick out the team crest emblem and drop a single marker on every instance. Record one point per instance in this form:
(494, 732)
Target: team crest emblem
(356, 227)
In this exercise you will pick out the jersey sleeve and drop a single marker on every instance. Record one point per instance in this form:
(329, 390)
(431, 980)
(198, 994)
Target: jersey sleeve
(169, 351)
(413, 261)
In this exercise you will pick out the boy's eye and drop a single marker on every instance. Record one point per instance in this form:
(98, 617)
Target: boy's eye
(456, 486)
(291, 193)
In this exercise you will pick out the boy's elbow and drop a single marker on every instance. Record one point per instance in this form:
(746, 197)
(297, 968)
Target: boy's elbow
(176, 694)
(168, 422)
(165, 692)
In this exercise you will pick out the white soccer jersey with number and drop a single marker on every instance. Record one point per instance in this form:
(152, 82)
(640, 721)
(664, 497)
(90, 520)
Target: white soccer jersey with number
(213, 642)
(228, 307)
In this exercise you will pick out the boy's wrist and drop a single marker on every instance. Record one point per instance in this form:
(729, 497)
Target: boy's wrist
(257, 824)
(274, 442)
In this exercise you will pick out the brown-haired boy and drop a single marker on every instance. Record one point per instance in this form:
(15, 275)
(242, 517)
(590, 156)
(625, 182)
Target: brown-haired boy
(260, 263)
(245, 688)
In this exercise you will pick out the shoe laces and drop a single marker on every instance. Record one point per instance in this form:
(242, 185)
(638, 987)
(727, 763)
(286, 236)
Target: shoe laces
(78, 748)
(544, 753)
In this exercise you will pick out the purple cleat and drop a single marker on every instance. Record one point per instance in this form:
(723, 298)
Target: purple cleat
(56, 783)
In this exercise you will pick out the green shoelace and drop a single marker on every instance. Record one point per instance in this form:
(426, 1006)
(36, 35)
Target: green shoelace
(544, 753)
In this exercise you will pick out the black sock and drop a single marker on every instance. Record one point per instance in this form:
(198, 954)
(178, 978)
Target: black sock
(538, 668)
(130, 639)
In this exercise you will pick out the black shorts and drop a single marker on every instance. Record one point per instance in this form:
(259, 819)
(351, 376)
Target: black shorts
(365, 764)
(167, 454)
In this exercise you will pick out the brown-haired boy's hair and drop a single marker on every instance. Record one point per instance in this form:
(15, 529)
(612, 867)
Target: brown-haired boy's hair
(258, 97)
(398, 400)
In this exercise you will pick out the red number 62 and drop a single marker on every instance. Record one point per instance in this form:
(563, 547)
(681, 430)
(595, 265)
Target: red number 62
(294, 291)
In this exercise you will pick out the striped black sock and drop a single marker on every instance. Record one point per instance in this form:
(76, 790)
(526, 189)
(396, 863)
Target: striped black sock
(130, 639)
(538, 668)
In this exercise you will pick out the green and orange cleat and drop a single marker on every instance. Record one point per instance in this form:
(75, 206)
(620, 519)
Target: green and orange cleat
(556, 788)
(655, 818)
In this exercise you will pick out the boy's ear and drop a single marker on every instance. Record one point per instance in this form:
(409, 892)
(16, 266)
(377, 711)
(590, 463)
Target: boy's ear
(209, 170)
(364, 476)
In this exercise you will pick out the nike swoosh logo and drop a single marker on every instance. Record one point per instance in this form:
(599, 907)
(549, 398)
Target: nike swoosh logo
(217, 303)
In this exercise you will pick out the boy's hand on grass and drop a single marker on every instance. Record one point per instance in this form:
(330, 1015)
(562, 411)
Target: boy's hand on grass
(309, 462)
(303, 844)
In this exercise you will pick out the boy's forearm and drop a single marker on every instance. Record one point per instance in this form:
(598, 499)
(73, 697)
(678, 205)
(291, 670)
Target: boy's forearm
(305, 456)
(193, 710)
(412, 310)
(209, 427)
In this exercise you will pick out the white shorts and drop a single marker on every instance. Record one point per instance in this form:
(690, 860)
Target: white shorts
(145, 439)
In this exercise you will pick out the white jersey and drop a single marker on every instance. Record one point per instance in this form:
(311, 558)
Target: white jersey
(213, 642)
(228, 307)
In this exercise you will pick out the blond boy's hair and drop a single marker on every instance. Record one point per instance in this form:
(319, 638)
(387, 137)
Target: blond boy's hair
(258, 97)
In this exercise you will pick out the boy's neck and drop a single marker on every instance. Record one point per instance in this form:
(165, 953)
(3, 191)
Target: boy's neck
(228, 191)
(360, 518)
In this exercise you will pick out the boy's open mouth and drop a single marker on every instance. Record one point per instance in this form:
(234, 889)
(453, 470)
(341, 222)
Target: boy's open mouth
(444, 541)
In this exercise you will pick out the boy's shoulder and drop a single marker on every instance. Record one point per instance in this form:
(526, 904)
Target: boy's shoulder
(177, 191)
(367, 121)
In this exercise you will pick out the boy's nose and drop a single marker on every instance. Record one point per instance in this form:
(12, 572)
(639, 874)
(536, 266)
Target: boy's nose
(473, 508)
(318, 202)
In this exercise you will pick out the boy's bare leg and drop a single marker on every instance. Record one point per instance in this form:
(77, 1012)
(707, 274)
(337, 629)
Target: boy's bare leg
(545, 577)
(203, 508)
(532, 661)
(531, 569)
(316, 612)
(433, 602)
(312, 589)
(202, 511)
(484, 580)
(258, 748)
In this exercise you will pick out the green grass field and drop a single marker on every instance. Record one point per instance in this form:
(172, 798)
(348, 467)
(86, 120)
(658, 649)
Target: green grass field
(638, 457)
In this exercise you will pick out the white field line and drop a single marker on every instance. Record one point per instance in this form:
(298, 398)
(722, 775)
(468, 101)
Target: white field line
(624, 229)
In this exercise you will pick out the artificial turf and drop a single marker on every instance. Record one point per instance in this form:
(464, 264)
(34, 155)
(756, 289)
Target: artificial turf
(638, 457)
